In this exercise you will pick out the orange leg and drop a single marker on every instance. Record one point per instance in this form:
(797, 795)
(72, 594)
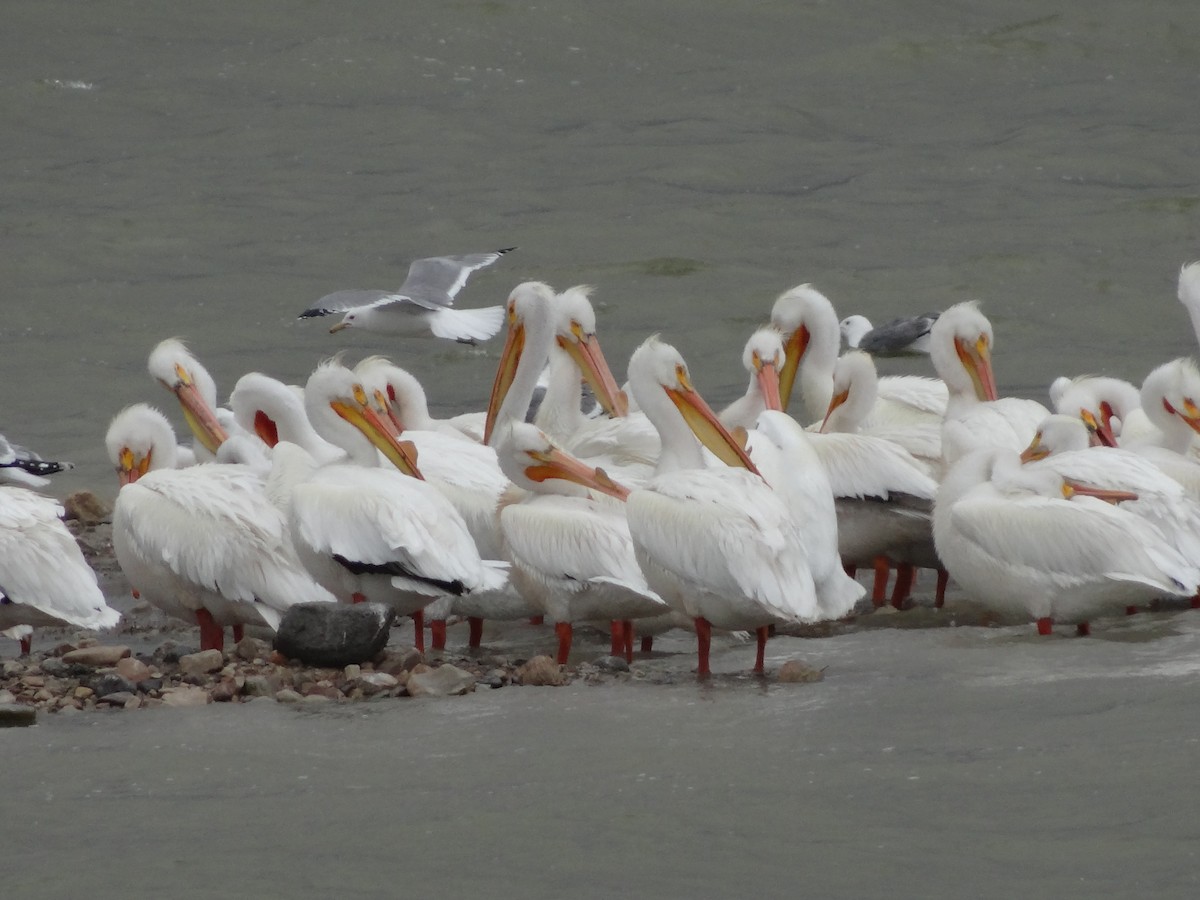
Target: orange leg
(906, 575)
(437, 634)
(703, 644)
(475, 635)
(419, 630)
(879, 589)
(627, 639)
(212, 636)
(1045, 625)
(563, 630)
(760, 658)
(647, 643)
(939, 598)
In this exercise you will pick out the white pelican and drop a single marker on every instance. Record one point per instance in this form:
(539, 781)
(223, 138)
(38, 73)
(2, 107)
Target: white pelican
(895, 338)
(423, 305)
(1110, 407)
(961, 352)
(469, 476)
(20, 465)
(571, 550)
(173, 366)
(718, 545)
(1012, 539)
(409, 406)
(762, 357)
(44, 579)
(201, 542)
(809, 326)
(366, 532)
(1189, 293)
(1062, 446)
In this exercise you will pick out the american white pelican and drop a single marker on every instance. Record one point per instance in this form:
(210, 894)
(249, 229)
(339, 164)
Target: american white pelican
(1189, 293)
(19, 465)
(1062, 446)
(409, 406)
(716, 544)
(44, 579)
(809, 326)
(469, 476)
(762, 357)
(366, 532)
(275, 412)
(1012, 539)
(571, 549)
(423, 305)
(173, 366)
(202, 543)
(961, 352)
(575, 357)
(1110, 407)
(895, 338)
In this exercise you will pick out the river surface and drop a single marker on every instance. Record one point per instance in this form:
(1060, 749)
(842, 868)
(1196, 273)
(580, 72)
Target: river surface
(207, 170)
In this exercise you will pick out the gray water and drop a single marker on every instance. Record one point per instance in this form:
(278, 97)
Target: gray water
(208, 170)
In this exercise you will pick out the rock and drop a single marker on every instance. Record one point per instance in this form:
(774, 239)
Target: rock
(133, 669)
(612, 664)
(334, 635)
(444, 681)
(185, 696)
(147, 685)
(97, 656)
(795, 672)
(376, 682)
(86, 508)
(258, 686)
(351, 672)
(111, 683)
(15, 716)
(202, 663)
(118, 698)
(395, 662)
(287, 695)
(250, 648)
(7, 697)
(492, 680)
(82, 692)
(224, 692)
(541, 670)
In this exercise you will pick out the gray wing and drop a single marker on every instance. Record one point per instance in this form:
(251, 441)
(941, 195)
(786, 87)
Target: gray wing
(340, 301)
(434, 281)
(896, 335)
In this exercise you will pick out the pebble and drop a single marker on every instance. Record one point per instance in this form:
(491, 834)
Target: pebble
(376, 682)
(132, 669)
(612, 664)
(202, 663)
(258, 686)
(185, 695)
(96, 656)
(541, 670)
(795, 672)
(287, 695)
(444, 681)
(7, 697)
(111, 683)
(118, 698)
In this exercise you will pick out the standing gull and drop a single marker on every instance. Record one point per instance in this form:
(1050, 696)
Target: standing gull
(423, 304)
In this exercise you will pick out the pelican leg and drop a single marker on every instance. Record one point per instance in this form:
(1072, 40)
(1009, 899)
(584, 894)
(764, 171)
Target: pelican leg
(26, 644)
(563, 630)
(419, 630)
(618, 638)
(939, 597)
(1045, 625)
(239, 632)
(537, 620)
(906, 576)
(627, 639)
(648, 643)
(760, 658)
(1133, 610)
(356, 597)
(437, 634)
(475, 635)
(703, 644)
(212, 636)
(879, 589)
(1196, 601)
(850, 569)
(1083, 629)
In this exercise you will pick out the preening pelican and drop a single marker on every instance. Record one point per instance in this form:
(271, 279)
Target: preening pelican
(762, 357)
(1012, 539)
(1110, 407)
(717, 544)
(423, 305)
(44, 579)
(1189, 293)
(173, 366)
(570, 547)
(202, 543)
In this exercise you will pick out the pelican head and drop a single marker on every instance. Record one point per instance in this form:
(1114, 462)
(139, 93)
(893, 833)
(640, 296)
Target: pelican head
(532, 461)
(529, 313)
(961, 351)
(139, 439)
(576, 334)
(173, 366)
(764, 357)
(804, 317)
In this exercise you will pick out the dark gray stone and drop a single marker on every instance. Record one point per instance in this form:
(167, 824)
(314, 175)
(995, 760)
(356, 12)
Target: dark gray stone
(111, 683)
(118, 698)
(13, 715)
(612, 664)
(333, 635)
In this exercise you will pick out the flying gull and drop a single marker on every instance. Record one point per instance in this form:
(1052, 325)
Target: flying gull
(424, 304)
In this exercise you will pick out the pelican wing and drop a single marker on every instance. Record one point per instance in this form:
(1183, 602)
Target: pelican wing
(860, 465)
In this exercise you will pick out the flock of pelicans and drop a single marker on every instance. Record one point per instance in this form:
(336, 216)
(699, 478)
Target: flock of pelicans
(655, 513)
